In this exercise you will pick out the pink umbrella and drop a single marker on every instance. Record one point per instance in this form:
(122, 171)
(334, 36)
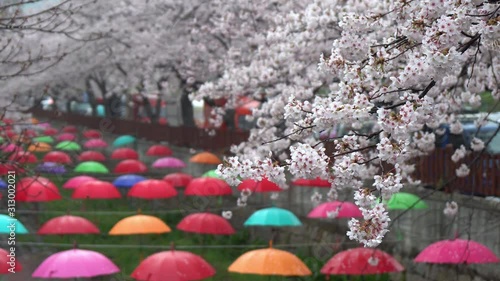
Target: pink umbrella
(457, 251)
(75, 263)
(345, 210)
(95, 143)
(11, 148)
(77, 181)
(66, 137)
(169, 162)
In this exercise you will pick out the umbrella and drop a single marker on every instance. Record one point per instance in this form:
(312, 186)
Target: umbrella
(92, 134)
(57, 157)
(36, 189)
(3, 184)
(269, 262)
(404, 201)
(208, 187)
(259, 186)
(178, 179)
(173, 266)
(206, 223)
(70, 129)
(159, 150)
(272, 217)
(51, 168)
(92, 156)
(457, 251)
(124, 153)
(23, 157)
(205, 158)
(152, 189)
(77, 181)
(95, 143)
(66, 137)
(11, 148)
(317, 182)
(6, 265)
(40, 147)
(75, 263)
(96, 190)
(45, 139)
(123, 140)
(91, 167)
(130, 166)
(345, 210)
(139, 224)
(361, 261)
(211, 174)
(6, 225)
(50, 131)
(169, 162)
(68, 225)
(6, 168)
(68, 146)
(127, 181)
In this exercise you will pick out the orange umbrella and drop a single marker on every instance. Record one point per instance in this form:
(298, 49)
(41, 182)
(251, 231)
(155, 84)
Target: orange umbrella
(139, 224)
(269, 262)
(40, 147)
(205, 158)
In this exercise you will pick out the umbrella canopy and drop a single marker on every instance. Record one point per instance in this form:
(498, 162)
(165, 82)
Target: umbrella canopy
(92, 156)
(269, 262)
(317, 182)
(139, 224)
(205, 158)
(75, 263)
(457, 251)
(208, 187)
(173, 266)
(169, 162)
(152, 189)
(45, 139)
(272, 217)
(91, 167)
(50, 131)
(66, 137)
(40, 147)
(211, 174)
(6, 223)
(159, 150)
(10, 147)
(130, 166)
(68, 146)
(51, 168)
(70, 129)
(57, 157)
(96, 190)
(123, 140)
(5, 168)
(361, 261)
(404, 201)
(345, 210)
(23, 157)
(178, 179)
(95, 143)
(92, 134)
(124, 153)
(77, 181)
(3, 184)
(68, 225)
(259, 186)
(5, 263)
(127, 181)
(206, 223)
(36, 189)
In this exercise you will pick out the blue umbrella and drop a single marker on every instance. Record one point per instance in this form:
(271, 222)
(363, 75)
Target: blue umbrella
(3, 184)
(51, 168)
(127, 181)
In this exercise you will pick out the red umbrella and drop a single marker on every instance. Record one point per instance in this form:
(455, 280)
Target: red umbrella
(95, 143)
(77, 181)
(5, 168)
(5, 263)
(70, 129)
(130, 166)
(345, 210)
(29, 133)
(173, 266)
(50, 132)
(91, 156)
(361, 261)
(159, 150)
(124, 153)
(10, 134)
(457, 251)
(152, 189)
(206, 223)
(208, 187)
(259, 186)
(57, 157)
(23, 157)
(178, 179)
(96, 190)
(36, 189)
(92, 134)
(68, 225)
(317, 182)
(66, 137)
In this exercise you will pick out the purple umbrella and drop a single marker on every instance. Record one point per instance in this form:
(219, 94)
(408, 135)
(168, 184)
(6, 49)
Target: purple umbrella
(51, 168)
(169, 162)
(75, 263)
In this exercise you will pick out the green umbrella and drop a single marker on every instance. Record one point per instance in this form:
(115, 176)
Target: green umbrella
(68, 146)
(123, 140)
(405, 201)
(272, 217)
(6, 223)
(2, 139)
(91, 167)
(211, 174)
(45, 139)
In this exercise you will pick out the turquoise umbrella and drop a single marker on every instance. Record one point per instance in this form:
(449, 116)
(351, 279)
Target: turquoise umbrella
(123, 140)
(272, 217)
(101, 111)
(6, 223)
(405, 201)
(91, 167)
